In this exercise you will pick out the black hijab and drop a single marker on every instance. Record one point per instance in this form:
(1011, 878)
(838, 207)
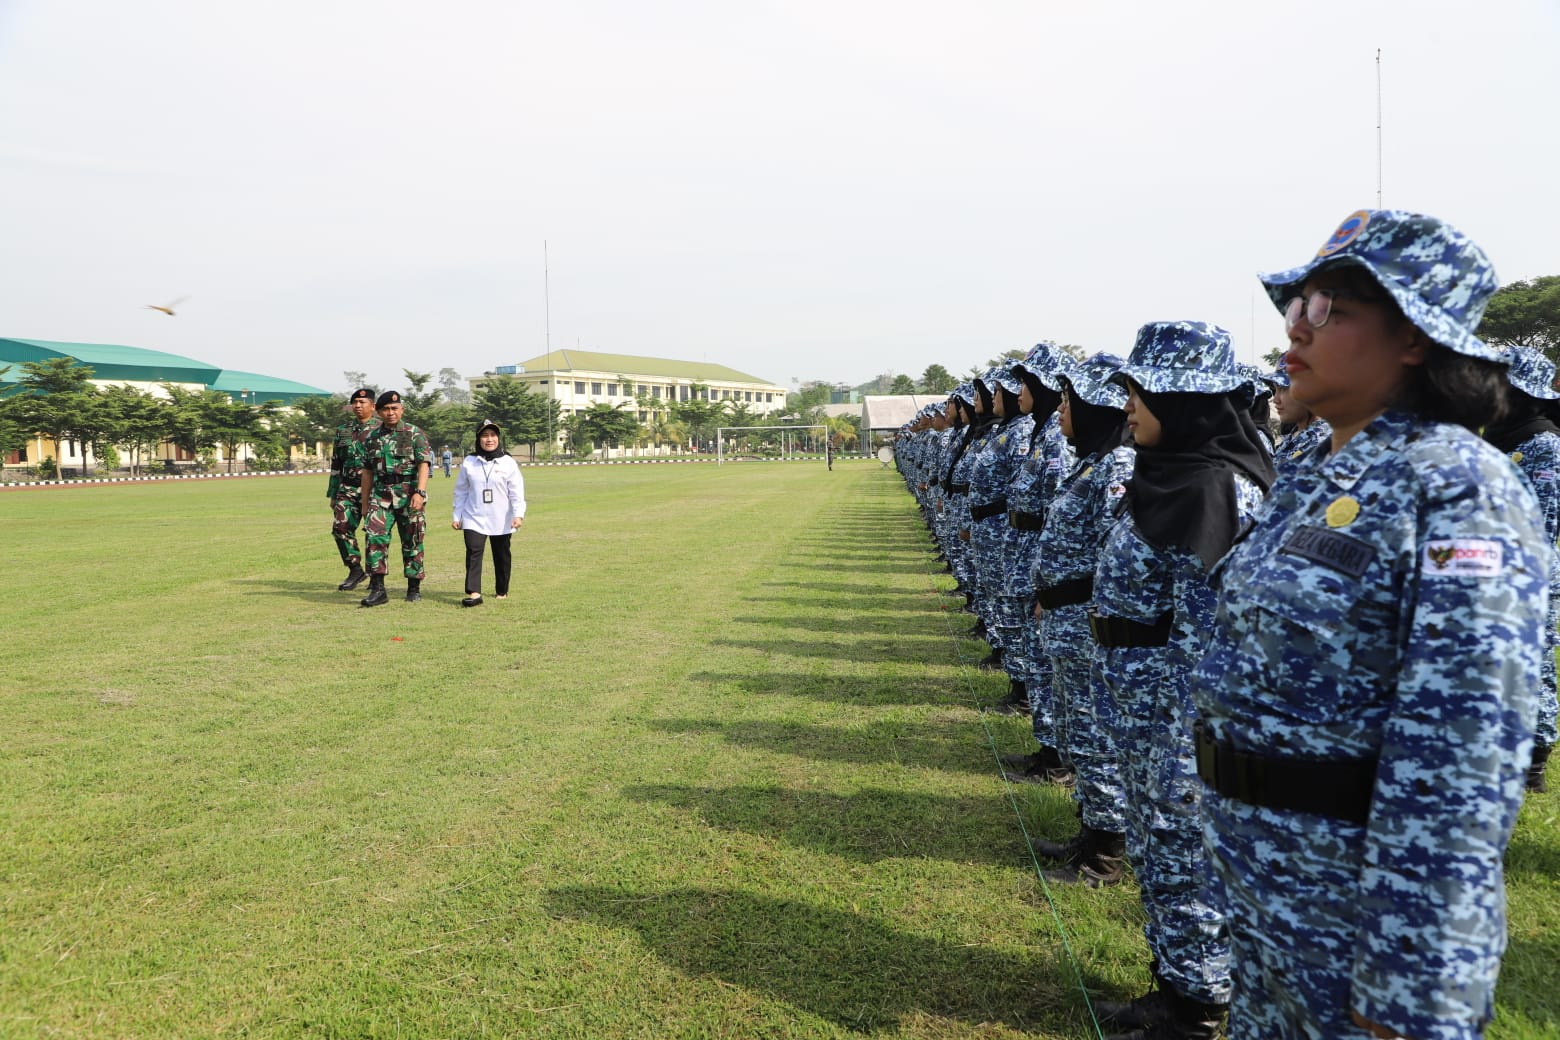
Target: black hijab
(1526, 417)
(476, 445)
(1044, 397)
(1097, 428)
(1182, 492)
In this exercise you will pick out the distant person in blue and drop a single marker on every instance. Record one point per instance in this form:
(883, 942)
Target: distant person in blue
(446, 459)
(1300, 431)
(1367, 699)
(1530, 435)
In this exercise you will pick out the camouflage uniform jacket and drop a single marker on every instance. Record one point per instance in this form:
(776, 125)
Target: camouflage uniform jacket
(393, 455)
(1081, 516)
(347, 455)
(1033, 486)
(1388, 605)
(1295, 446)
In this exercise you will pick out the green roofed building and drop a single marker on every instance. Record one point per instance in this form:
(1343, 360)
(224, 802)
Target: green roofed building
(112, 364)
(578, 379)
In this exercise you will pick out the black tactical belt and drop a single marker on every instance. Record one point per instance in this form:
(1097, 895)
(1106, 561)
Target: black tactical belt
(956, 489)
(990, 509)
(1026, 521)
(1068, 593)
(1341, 790)
(1119, 631)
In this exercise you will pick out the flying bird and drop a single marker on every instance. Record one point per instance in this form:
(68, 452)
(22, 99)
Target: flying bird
(168, 308)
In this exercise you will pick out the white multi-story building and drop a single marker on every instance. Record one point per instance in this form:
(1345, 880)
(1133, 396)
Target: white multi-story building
(578, 379)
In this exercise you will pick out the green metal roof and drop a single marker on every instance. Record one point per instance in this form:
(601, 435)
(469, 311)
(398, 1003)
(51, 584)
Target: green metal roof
(630, 365)
(111, 362)
(263, 388)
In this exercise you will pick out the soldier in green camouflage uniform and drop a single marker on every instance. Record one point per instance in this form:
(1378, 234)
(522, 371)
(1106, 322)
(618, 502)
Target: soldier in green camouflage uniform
(346, 493)
(398, 459)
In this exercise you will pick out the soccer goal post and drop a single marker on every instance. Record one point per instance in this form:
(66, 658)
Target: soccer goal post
(787, 441)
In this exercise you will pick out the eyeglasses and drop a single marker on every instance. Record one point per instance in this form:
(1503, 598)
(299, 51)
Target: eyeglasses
(1316, 307)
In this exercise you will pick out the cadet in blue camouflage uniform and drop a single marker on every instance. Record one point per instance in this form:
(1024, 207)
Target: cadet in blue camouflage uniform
(956, 488)
(1200, 473)
(1028, 495)
(1006, 447)
(344, 489)
(1080, 517)
(1261, 406)
(1368, 694)
(395, 490)
(1529, 434)
(1300, 430)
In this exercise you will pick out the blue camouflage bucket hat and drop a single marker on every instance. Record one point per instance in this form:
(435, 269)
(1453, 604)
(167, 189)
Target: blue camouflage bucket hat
(1046, 361)
(1181, 357)
(1532, 373)
(1003, 376)
(1279, 377)
(964, 392)
(1091, 380)
(1437, 276)
(1260, 386)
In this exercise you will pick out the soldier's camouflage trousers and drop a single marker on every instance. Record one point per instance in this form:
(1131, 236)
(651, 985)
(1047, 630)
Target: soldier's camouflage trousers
(346, 511)
(391, 505)
(1183, 899)
(1086, 719)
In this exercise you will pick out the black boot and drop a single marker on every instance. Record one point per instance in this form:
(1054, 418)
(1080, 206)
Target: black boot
(1099, 863)
(1535, 774)
(1184, 1019)
(1139, 1013)
(1016, 702)
(413, 590)
(376, 591)
(355, 576)
(992, 662)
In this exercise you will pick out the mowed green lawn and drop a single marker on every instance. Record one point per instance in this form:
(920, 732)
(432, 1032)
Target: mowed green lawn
(715, 769)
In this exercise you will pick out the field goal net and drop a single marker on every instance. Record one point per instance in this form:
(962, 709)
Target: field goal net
(769, 442)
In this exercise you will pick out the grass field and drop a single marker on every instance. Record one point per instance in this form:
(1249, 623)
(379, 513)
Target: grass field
(715, 769)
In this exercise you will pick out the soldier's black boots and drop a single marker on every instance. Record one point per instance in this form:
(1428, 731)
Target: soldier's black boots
(413, 590)
(376, 591)
(355, 578)
(1138, 1013)
(1100, 860)
(1016, 702)
(1184, 1019)
(1043, 767)
(1535, 774)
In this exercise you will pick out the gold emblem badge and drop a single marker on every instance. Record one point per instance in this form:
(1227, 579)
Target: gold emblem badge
(1086, 471)
(1342, 511)
(1516, 456)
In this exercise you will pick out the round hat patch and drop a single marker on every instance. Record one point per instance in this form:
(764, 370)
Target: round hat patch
(1347, 232)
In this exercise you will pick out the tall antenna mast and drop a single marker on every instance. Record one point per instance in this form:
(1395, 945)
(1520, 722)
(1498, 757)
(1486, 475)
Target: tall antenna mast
(1378, 127)
(552, 377)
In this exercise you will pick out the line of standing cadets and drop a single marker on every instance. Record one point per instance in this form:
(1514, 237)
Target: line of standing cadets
(1299, 684)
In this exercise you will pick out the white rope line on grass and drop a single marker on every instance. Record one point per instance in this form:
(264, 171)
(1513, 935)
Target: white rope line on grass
(991, 744)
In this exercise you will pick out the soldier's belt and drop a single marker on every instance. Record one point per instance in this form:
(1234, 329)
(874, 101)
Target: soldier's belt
(1025, 521)
(1120, 631)
(1069, 593)
(956, 489)
(1341, 790)
(990, 509)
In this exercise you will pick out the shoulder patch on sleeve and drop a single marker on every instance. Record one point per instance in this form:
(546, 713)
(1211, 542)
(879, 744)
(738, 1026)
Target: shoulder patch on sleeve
(1463, 558)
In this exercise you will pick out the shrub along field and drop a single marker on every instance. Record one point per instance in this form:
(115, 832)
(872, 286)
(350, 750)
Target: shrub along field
(717, 768)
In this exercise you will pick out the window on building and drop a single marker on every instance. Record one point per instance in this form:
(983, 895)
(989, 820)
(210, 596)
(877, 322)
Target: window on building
(685, 393)
(541, 382)
(595, 389)
(643, 415)
(655, 392)
(579, 387)
(612, 389)
(750, 395)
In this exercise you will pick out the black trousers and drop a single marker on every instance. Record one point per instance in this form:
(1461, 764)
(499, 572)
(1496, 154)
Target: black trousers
(476, 543)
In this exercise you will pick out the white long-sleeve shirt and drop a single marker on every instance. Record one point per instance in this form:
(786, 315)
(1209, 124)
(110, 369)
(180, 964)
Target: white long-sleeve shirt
(502, 478)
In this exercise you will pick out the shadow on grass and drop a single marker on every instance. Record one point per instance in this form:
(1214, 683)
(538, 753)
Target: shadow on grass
(931, 622)
(955, 747)
(1529, 856)
(1527, 982)
(871, 825)
(953, 689)
(850, 969)
(320, 592)
(866, 591)
(927, 647)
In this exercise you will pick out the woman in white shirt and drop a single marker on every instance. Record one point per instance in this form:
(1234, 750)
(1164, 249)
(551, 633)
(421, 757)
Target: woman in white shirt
(489, 504)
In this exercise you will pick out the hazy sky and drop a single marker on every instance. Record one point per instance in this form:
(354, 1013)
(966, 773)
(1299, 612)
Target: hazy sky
(796, 189)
